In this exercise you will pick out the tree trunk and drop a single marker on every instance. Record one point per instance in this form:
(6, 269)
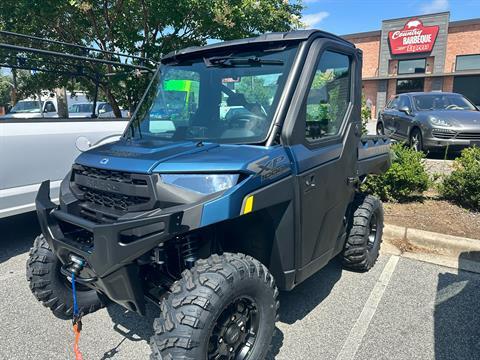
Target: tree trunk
(113, 102)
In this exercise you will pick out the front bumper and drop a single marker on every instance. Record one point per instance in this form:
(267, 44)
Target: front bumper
(432, 143)
(114, 248)
(454, 138)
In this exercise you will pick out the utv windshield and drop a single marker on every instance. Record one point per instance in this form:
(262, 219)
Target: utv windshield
(224, 99)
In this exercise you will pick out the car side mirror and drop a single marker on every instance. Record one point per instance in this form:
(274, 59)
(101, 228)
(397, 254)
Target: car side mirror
(405, 109)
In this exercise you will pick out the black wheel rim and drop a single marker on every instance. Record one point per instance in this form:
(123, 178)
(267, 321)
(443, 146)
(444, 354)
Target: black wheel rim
(235, 331)
(372, 234)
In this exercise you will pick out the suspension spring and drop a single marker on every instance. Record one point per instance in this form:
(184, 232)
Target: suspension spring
(189, 250)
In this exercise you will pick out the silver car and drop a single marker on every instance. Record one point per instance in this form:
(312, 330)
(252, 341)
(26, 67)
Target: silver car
(431, 121)
(33, 150)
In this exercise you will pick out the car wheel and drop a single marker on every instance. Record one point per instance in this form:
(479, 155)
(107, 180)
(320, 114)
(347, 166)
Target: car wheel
(380, 129)
(225, 307)
(416, 140)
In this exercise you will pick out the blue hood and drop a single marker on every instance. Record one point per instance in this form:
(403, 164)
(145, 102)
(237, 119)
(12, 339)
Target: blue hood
(185, 156)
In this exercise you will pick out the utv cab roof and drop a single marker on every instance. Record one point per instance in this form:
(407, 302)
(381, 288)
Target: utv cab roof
(271, 38)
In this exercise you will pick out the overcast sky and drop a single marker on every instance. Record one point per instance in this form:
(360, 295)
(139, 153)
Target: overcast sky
(349, 16)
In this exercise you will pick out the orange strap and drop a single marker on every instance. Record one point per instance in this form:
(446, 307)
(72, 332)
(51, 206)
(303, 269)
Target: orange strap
(76, 350)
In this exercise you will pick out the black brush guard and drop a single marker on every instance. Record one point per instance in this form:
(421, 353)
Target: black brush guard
(111, 262)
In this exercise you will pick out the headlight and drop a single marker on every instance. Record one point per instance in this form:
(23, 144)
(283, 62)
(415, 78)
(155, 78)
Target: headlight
(439, 122)
(200, 183)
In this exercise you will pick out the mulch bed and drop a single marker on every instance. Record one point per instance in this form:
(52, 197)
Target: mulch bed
(434, 215)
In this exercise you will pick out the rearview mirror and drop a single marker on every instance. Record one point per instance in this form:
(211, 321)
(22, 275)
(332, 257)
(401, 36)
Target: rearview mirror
(405, 109)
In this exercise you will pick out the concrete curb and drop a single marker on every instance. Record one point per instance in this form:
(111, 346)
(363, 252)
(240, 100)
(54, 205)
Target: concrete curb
(450, 251)
(441, 243)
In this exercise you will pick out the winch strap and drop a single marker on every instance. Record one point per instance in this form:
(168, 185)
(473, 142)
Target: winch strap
(77, 322)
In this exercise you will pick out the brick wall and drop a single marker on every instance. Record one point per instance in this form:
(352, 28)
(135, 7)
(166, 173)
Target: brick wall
(393, 67)
(370, 46)
(448, 83)
(369, 91)
(427, 85)
(462, 40)
(392, 88)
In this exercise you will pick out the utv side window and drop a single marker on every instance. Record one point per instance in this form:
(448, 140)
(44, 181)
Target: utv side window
(329, 96)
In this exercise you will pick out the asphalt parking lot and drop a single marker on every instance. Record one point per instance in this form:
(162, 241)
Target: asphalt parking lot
(402, 309)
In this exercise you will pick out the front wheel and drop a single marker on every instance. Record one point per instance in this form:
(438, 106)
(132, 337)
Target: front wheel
(225, 307)
(53, 289)
(416, 140)
(380, 129)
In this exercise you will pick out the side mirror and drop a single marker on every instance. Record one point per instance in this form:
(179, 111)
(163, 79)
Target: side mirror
(82, 144)
(405, 109)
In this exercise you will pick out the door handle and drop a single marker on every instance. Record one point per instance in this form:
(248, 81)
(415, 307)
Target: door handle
(310, 181)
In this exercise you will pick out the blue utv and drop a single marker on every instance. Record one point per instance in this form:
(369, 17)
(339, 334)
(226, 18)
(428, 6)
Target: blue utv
(219, 195)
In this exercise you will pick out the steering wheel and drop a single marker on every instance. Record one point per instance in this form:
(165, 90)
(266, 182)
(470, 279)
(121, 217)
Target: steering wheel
(453, 106)
(253, 122)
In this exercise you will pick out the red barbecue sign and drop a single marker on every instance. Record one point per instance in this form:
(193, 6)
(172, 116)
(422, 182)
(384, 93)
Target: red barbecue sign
(413, 38)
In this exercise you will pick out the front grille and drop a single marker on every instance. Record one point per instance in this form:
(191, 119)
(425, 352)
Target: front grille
(468, 136)
(449, 134)
(109, 175)
(443, 134)
(110, 200)
(104, 195)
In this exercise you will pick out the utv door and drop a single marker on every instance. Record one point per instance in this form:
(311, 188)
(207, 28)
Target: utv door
(322, 129)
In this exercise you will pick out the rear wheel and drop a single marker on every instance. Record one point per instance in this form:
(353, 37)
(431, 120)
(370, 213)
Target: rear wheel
(380, 129)
(53, 289)
(365, 236)
(416, 140)
(225, 307)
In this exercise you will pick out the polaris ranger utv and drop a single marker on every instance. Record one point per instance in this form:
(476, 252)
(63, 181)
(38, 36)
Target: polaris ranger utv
(208, 212)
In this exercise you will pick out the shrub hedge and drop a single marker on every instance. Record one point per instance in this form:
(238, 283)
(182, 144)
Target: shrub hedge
(405, 179)
(462, 186)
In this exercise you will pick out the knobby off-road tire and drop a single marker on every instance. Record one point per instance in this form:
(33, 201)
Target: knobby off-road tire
(201, 317)
(53, 289)
(365, 236)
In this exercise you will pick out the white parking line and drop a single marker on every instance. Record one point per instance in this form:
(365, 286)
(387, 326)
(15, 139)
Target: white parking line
(351, 345)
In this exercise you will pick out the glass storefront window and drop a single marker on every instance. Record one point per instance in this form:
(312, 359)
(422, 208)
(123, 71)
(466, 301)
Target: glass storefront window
(415, 66)
(467, 62)
(409, 85)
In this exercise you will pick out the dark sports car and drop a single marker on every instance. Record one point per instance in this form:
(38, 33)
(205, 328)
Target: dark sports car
(429, 121)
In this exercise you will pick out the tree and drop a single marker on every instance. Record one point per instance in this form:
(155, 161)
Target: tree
(148, 28)
(5, 90)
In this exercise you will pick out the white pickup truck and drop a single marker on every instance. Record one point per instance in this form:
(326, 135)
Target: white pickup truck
(35, 149)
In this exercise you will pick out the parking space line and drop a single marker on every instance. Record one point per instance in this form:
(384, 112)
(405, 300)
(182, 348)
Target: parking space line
(357, 333)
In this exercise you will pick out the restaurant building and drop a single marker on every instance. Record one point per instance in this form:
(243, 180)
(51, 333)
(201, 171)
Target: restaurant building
(420, 53)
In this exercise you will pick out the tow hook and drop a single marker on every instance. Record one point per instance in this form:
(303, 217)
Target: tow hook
(75, 266)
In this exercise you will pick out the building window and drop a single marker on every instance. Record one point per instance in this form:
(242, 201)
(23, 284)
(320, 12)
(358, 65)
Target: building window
(467, 62)
(416, 66)
(410, 85)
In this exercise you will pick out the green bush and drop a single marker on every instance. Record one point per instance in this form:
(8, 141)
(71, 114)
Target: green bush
(366, 114)
(462, 186)
(406, 177)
